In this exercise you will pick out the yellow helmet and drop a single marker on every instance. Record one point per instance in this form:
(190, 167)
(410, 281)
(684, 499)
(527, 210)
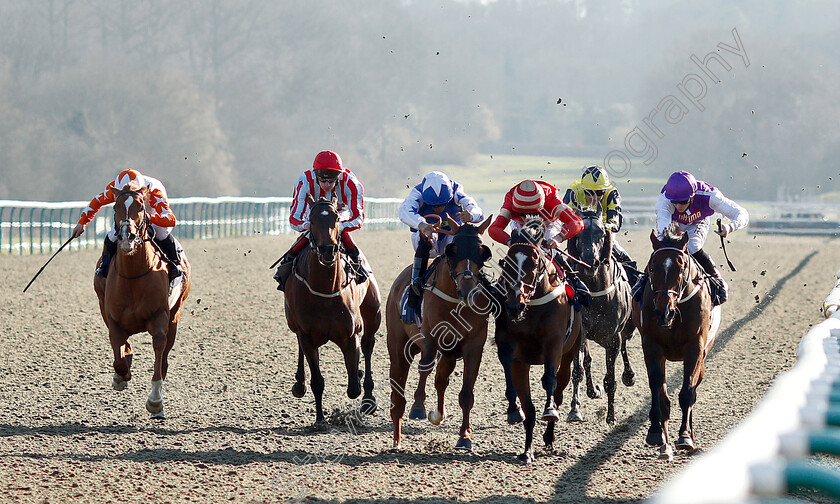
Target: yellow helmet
(595, 179)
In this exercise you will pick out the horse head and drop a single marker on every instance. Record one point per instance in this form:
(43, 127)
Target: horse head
(523, 267)
(130, 218)
(324, 229)
(466, 255)
(593, 245)
(669, 271)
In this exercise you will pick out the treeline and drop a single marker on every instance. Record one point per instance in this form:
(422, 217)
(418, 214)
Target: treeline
(235, 97)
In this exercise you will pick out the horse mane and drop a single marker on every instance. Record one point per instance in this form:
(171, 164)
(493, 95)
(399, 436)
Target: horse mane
(672, 236)
(531, 231)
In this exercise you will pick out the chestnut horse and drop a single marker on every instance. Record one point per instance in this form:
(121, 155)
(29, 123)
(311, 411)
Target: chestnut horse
(454, 325)
(537, 326)
(677, 323)
(607, 320)
(324, 303)
(135, 297)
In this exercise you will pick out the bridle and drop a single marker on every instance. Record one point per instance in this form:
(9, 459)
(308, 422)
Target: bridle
(684, 280)
(322, 251)
(527, 289)
(142, 234)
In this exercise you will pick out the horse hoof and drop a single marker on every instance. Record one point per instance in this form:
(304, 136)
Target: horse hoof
(628, 379)
(397, 447)
(685, 443)
(154, 407)
(417, 414)
(118, 383)
(368, 406)
(436, 417)
(666, 453)
(298, 390)
(464, 444)
(551, 415)
(515, 416)
(574, 416)
(354, 391)
(160, 415)
(527, 457)
(596, 393)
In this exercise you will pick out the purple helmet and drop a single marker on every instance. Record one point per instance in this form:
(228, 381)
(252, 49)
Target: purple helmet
(681, 186)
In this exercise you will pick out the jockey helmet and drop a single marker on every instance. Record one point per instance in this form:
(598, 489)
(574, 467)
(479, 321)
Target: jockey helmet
(327, 161)
(595, 179)
(528, 197)
(436, 189)
(681, 186)
(127, 176)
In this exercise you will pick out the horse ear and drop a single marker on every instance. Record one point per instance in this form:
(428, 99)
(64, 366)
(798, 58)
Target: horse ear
(486, 253)
(684, 240)
(484, 225)
(114, 192)
(450, 250)
(309, 199)
(654, 240)
(334, 199)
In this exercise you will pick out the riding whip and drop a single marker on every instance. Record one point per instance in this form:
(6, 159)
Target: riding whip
(723, 246)
(45, 264)
(573, 258)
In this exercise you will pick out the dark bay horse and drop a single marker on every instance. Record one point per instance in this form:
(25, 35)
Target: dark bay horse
(538, 326)
(135, 297)
(677, 323)
(607, 320)
(324, 303)
(455, 313)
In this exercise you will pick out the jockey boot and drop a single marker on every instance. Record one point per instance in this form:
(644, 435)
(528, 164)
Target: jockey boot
(356, 264)
(418, 271)
(173, 259)
(639, 287)
(110, 251)
(284, 269)
(720, 289)
(627, 262)
(582, 295)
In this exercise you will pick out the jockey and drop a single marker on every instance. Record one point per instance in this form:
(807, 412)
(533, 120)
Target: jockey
(595, 191)
(161, 218)
(326, 179)
(691, 203)
(535, 197)
(436, 195)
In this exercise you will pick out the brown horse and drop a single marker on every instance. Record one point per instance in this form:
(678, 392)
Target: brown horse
(607, 319)
(135, 297)
(454, 325)
(537, 326)
(677, 323)
(324, 303)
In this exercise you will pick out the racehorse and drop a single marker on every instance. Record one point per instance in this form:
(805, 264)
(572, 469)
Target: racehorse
(537, 325)
(135, 296)
(677, 323)
(607, 320)
(454, 325)
(324, 303)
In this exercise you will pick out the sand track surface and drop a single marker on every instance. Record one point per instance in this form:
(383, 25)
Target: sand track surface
(234, 431)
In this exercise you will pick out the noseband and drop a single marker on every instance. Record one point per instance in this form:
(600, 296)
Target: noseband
(528, 290)
(142, 229)
(324, 250)
(683, 279)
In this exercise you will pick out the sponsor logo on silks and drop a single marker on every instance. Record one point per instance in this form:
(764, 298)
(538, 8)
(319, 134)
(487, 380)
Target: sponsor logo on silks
(689, 218)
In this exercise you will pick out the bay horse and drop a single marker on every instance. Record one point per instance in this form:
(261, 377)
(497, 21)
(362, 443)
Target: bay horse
(607, 320)
(135, 296)
(324, 303)
(537, 326)
(455, 311)
(677, 323)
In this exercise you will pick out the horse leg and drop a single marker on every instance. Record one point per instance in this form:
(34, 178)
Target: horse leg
(369, 406)
(316, 380)
(466, 399)
(519, 373)
(505, 354)
(444, 369)
(655, 363)
(299, 388)
(160, 330)
(352, 351)
(122, 363)
(628, 377)
(398, 376)
(609, 380)
(427, 363)
(592, 391)
(580, 368)
(692, 376)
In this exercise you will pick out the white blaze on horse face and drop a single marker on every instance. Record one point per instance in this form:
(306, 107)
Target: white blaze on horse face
(324, 212)
(128, 202)
(520, 268)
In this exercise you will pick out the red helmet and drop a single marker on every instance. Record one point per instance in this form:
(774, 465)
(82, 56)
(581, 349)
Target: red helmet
(127, 176)
(528, 197)
(328, 161)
